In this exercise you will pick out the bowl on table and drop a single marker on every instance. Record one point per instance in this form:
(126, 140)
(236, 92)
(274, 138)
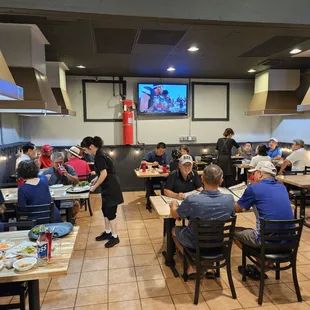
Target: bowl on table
(6, 245)
(25, 264)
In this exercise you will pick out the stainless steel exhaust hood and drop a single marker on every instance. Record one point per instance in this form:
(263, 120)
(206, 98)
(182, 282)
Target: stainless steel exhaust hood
(38, 96)
(275, 93)
(25, 57)
(8, 88)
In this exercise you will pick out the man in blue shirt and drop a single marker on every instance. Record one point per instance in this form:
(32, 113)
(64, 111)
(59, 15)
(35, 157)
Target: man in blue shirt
(269, 200)
(154, 159)
(274, 151)
(210, 204)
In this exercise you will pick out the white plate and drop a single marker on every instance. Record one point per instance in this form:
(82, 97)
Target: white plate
(29, 260)
(57, 186)
(78, 189)
(9, 243)
(1, 265)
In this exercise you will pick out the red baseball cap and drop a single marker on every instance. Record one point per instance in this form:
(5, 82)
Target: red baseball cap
(47, 148)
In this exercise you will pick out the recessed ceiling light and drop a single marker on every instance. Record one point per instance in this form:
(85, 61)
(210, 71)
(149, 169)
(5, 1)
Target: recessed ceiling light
(81, 67)
(193, 49)
(295, 51)
(251, 70)
(171, 69)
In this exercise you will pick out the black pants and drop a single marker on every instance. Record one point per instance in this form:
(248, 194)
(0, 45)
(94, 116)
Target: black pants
(149, 184)
(228, 181)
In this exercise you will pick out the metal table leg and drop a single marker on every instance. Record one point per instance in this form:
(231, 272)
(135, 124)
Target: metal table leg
(69, 215)
(303, 192)
(34, 295)
(169, 224)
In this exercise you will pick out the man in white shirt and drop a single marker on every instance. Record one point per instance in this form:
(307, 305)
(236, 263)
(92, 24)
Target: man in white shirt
(299, 159)
(29, 152)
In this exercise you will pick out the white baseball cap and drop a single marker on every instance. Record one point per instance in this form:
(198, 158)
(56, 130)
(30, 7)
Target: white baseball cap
(273, 139)
(186, 159)
(265, 166)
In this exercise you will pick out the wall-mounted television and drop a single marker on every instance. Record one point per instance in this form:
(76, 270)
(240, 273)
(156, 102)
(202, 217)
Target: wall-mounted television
(168, 99)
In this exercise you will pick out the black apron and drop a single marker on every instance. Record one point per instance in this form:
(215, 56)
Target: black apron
(224, 159)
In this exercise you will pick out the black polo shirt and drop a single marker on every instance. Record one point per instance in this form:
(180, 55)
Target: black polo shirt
(176, 183)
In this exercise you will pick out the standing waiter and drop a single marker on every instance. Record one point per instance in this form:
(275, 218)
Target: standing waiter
(111, 193)
(224, 147)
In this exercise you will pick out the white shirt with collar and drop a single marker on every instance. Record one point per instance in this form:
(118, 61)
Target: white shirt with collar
(21, 158)
(299, 159)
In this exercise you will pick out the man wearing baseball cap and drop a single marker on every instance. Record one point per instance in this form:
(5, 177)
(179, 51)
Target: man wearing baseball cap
(274, 151)
(269, 200)
(45, 158)
(183, 180)
(299, 159)
(80, 166)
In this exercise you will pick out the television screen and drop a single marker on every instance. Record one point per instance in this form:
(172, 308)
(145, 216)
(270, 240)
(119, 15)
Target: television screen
(162, 99)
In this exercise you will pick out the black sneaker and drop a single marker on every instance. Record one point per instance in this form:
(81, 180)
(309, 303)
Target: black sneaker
(104, 236)
(113, 241)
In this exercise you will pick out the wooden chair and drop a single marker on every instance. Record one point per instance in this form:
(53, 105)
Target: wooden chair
(279, 244)
(16, 288)
(213, 248)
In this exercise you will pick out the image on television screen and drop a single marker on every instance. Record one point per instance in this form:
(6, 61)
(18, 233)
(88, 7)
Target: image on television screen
(162, 98)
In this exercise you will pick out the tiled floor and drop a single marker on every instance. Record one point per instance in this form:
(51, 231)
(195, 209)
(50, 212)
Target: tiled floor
(133, 275)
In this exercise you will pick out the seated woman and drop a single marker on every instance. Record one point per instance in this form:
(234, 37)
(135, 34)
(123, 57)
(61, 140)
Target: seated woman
(174, 164)
(261, 152)
(35, 190)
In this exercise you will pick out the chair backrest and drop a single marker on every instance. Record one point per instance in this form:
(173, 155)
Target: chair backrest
(41, 213)
(84, 177)
(293, 172)
(214, 234)
(280, 236)
(307, 170)
(23, 225)
(162, 188)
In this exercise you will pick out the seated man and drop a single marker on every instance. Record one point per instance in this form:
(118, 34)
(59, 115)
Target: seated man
(209, 204)
(247, 152)
(29, 152)
(274, 151)
(61, 173)
(80, 166)
(183, 180)
(299, 159)
(154, 159)
(269, 200)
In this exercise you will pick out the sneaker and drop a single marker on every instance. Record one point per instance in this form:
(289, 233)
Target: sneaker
(113, 241)
(104, 236)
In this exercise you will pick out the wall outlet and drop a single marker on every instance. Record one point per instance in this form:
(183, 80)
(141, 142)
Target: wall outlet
(188, 139)
(192, 138)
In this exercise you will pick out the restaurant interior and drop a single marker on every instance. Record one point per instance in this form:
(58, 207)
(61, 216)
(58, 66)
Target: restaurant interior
(138, 75)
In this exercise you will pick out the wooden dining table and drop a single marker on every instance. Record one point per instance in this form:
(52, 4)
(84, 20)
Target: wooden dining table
(155, 173)
(303, 183)
(56, 267)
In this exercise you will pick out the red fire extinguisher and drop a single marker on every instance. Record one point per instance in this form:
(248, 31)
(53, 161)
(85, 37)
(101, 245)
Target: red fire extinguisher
(127, 122)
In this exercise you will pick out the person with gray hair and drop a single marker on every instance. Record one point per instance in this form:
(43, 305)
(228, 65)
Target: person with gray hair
(210, 204)
(299, 159)
(60, 173)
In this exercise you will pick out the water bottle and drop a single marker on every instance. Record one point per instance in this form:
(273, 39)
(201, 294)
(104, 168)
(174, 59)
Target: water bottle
(42, 247)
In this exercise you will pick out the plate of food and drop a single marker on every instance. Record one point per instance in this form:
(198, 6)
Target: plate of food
(59, 230)
(29, 251)
(78, 189)
(6, 245)
(25, 264)
(57, 186)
